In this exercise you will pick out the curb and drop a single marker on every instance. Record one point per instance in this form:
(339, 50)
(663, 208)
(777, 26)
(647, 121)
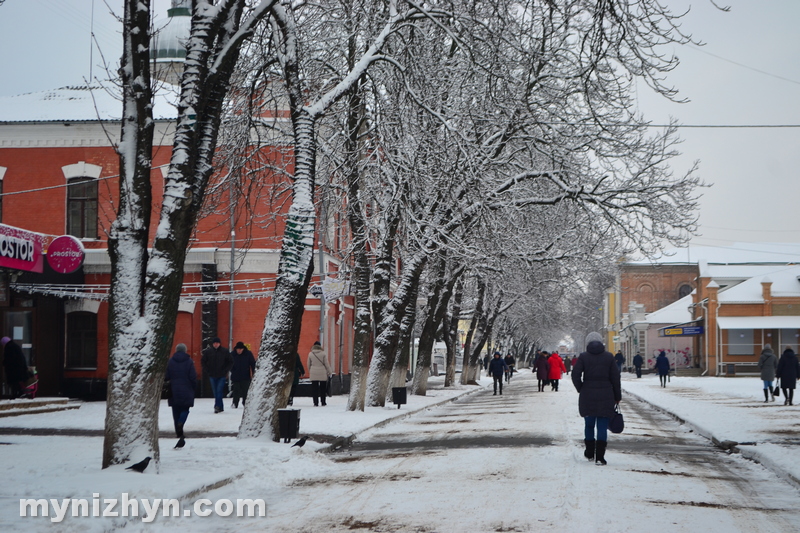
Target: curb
(747, 449)
(341, 442)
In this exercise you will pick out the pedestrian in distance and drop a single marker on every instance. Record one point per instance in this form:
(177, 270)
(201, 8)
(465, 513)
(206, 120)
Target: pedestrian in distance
(486, 360)
(662, 366)
(244, 366)
(217, 362)
(567, 364)
(319, 371)
(510, 363)
(596, 377)
(638, 361)
(542, 369)
(298, 372)
(181, 378)
(497, 369)
(620, 360)
(787, 373)
(768, 364)
(556, 369)
(15, 366)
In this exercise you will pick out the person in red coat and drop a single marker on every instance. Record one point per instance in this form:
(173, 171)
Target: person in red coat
(556, 369)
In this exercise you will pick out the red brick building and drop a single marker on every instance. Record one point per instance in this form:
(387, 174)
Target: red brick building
(745, 295)
(58, 170)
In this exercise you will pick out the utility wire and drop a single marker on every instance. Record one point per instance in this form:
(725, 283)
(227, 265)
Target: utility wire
(764, 72)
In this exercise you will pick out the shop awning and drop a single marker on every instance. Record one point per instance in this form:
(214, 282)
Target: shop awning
(758, 322)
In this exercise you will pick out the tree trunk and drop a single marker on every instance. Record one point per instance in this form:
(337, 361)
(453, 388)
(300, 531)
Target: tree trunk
(451, 335)
(427, 337)
(468, 370)
(400, 367)
(272, 381)
(386, 342)
(362, 272)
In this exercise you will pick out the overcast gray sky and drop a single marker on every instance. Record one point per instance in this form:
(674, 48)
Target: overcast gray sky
(748, 73)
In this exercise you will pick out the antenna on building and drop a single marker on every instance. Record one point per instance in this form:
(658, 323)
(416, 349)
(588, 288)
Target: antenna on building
(91, 43)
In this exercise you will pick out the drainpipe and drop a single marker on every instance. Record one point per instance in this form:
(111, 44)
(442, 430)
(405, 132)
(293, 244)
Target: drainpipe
(705, 337)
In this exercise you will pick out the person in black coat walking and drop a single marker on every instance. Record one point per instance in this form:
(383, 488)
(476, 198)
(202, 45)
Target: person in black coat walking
(788, 371)
(217, 362)
(15, 366)
(662, 365)
(620, 360)
(182, 379)
(498, 368)
(597, 379)
(542, 369)
(638, 361)
(244, 366)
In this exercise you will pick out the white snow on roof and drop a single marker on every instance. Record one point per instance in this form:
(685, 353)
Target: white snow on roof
(674, 313)
(784, 283)
(736, 253)
(729, 274)
(80, 103)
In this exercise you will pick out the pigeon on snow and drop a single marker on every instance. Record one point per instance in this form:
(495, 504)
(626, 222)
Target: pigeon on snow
(140, 466)
(300, 443)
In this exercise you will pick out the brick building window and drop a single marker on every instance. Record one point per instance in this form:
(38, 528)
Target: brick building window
(82, 208)
(81, 340)
(684, 290)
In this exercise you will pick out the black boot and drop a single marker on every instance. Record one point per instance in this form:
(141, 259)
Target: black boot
(179, 430)
(589, 452)
(600, 453)
(766, 395)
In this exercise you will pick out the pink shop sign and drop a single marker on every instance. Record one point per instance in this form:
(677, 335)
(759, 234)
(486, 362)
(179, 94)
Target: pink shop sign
(20, 249)
(65, 254)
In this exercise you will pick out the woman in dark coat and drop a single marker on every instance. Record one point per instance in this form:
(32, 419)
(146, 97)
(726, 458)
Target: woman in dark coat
(768, 364)
(597, 379)
(788, 371)
(542, 369)
(662, 365)
(182, 378)
(15, 366)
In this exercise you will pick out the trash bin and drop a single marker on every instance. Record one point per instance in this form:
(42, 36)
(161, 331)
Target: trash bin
(399, 396)
(289, 423)
(730, 370)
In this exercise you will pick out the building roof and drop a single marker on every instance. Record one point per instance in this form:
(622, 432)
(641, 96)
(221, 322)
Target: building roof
(752, 253)
(758, 322)
(784, 283)
(78, 104)
(169, 41)
(674, 313)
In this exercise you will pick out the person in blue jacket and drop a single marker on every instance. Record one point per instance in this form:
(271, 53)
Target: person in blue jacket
(662, 365)
(182, 379)
(498, 368)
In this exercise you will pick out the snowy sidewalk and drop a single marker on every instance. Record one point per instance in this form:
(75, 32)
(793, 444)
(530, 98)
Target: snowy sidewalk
(58, 466)
(730, 409)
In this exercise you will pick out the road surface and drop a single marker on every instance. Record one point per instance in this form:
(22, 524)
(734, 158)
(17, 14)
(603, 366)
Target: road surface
(514, 463)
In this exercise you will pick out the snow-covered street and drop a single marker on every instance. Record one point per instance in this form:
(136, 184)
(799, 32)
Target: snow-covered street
(480, 463)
